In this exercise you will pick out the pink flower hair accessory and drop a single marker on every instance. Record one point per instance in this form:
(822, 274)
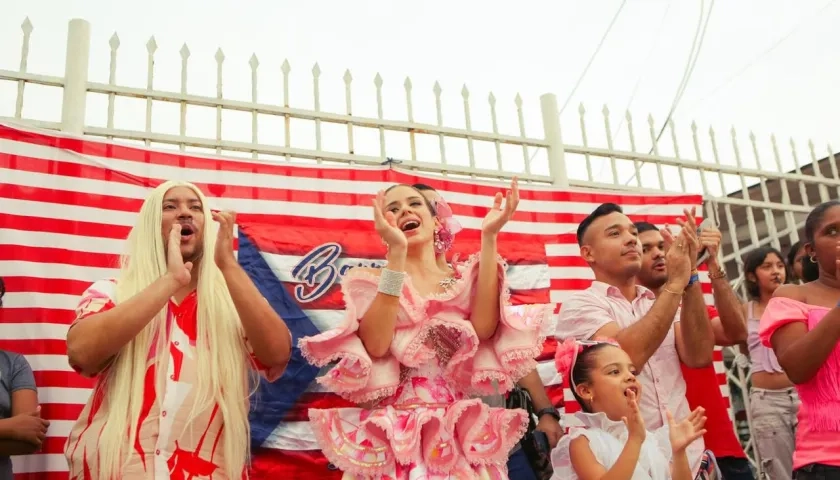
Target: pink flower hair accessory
(446, 218)
(564, 358)
(445, 234)
(567, 351)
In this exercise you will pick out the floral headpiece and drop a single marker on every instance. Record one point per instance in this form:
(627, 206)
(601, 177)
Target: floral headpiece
(566, 354)
(449, 227)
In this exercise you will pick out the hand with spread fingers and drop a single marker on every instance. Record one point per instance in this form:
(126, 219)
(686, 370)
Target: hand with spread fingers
(386, 224)
(224, 241)
(687, 431)
(175, 266)
(498, 216)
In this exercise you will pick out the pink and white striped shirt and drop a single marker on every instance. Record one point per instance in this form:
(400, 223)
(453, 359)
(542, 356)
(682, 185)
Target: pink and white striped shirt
(663, 385)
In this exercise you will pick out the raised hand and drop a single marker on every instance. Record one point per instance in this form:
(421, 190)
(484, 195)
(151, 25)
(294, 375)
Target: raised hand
(498, 216)
(667, 237)
(175, 266)
(386, 224)
(634, 422)
(223, 255)
(710, 239)
(689, 230)
(687, 431)
(678, 262)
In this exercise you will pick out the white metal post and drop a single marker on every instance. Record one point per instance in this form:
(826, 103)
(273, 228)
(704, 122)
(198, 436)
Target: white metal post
(76, 76)
(551, 125)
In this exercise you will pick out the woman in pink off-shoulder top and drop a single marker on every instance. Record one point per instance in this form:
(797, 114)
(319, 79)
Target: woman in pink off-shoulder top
(802, 325)
(416, 343)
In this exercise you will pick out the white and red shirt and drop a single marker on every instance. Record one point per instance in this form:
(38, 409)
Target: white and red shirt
(171, 440)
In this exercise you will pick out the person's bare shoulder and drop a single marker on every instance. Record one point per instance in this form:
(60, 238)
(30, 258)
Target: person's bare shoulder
(794, 292)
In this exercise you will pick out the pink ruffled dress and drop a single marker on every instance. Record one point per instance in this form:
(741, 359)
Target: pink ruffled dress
(421, 421)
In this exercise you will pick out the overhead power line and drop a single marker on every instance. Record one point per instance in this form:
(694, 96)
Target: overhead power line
(638, 82)
(699, 35)
(693, 55)
(594, 54)
(763, 54)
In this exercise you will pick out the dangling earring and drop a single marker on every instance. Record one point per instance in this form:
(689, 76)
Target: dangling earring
(439, 247)
(813, 258)
(442, 240)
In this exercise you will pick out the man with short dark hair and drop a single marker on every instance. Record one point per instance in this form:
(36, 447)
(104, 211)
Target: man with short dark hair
(22, 430)
(728, 327)
(651, 330)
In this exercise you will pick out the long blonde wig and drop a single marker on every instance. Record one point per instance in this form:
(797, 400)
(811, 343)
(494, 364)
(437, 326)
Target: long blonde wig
(223, 372)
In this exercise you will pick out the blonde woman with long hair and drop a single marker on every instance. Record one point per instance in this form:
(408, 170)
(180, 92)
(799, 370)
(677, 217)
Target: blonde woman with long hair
(174, 343)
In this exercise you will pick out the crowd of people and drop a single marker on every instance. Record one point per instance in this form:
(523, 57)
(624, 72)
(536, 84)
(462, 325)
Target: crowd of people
(441, 367)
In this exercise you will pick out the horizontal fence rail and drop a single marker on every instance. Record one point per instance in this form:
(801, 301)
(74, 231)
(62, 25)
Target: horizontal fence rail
(759, 192)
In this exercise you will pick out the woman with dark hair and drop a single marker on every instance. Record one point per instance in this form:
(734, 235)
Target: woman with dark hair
(802, 325)
(794, 261)
(801, 267)
(773, 399)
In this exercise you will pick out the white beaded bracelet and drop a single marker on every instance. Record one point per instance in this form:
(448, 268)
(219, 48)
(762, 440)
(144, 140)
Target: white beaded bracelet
(391, 282)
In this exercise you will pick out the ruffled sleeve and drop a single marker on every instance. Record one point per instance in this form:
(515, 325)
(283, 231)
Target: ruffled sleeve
(779, 312)
(561, 459)
(356, 377)
(510, 353)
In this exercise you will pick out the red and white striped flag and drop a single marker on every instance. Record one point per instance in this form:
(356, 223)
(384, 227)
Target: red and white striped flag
(67, 203)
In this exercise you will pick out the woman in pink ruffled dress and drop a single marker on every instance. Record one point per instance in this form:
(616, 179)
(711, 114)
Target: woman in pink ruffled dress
(802, 325)
(416, 343)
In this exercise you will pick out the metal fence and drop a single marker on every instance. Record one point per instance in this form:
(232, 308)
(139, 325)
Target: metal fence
(758, 194)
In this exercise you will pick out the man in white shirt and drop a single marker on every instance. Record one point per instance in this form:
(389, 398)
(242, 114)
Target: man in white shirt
(653, 331)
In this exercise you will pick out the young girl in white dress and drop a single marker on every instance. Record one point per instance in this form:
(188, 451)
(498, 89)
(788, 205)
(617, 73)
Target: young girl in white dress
(613, 442)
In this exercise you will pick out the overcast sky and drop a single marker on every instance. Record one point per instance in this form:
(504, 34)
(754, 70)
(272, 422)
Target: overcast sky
(526, 47)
